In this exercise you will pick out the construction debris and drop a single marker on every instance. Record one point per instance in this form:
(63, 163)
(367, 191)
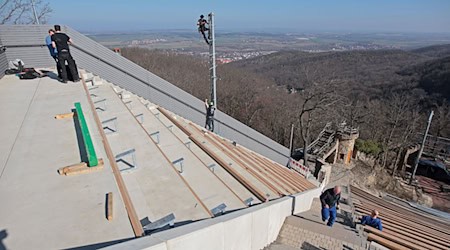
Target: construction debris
(80, 168)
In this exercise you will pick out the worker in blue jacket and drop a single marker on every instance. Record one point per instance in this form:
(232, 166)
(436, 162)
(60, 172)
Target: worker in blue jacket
(53, 51)
(372, 220)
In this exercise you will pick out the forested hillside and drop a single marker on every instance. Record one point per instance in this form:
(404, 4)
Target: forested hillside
(386, 94)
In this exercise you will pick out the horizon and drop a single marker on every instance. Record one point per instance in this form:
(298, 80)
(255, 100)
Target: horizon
(401, 16)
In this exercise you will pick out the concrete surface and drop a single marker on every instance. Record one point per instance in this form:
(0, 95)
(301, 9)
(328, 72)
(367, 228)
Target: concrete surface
(210, 189)
(40, 208)
(229, 180)
(155, 187)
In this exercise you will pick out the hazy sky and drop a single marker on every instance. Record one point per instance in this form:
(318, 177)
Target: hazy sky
(256, 15)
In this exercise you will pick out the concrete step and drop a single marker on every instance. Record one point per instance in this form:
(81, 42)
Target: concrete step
(155, 187)
(209, 188)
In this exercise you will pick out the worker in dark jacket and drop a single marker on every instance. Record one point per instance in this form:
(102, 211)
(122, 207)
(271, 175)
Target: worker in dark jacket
(330, 201)
(372, 220)
(201, 23)
(209, 124)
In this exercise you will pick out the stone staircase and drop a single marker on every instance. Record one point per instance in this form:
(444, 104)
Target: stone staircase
(307, 231)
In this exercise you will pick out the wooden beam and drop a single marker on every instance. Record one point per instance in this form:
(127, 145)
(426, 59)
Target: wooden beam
(384, 242)
(406, 243)
(254, 190)
(109, 206)
(132, 215)
(80, 168)
(241, 164)
(64, 116)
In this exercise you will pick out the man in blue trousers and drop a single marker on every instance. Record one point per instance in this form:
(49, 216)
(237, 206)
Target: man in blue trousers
(372, 220)
(330, 200)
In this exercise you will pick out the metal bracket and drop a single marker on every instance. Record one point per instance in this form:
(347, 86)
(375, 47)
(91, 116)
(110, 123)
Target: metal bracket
(131, 166)
(170, 127)
(155, 135)
(129, 104)
(188, 144)
(168, 220)
(248, 201)
(104, 104)
(219, 210)
(212, 167)
(111, 129)
(94, 87)
(180, 163)
(141, 117)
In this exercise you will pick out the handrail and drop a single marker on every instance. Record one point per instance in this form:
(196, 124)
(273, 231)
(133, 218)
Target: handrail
(92, 157)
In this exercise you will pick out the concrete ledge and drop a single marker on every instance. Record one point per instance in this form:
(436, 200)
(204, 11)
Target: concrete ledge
(302, 201)
(250, 228)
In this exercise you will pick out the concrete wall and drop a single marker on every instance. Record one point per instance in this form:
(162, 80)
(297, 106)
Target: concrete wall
(27, 43)
(303, 201)
(250, 228)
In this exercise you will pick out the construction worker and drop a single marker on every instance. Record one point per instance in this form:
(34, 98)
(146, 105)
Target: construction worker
(201, 23)
(372, 220)
(330, 202)
(209, 124)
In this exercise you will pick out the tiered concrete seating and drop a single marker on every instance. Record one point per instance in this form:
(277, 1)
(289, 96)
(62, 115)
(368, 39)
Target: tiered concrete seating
(403, 227)
(155, 186)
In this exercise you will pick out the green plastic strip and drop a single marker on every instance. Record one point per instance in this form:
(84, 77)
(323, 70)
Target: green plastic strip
(92, 157)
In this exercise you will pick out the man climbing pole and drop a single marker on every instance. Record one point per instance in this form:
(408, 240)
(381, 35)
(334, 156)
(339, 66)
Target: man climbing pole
(209, 124)
(201, 23)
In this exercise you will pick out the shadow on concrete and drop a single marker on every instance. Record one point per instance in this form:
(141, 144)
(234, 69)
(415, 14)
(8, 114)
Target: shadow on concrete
(50, 74)
(81, 147)
(99, 245)
(3, 235)
(318, 222)
(308, 246)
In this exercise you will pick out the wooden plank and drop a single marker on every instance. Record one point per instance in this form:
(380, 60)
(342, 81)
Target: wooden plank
(63, 170)
(174, 121)
(394, 217)
(177, 123)
(405, 213)
(384, 242)
(255, 191)
(395, 224)
(394, 237)
(109, 206)
(282, 171)
(259, 168)
(64, 116)
(292, 189)
(241, 164)
(134, 220)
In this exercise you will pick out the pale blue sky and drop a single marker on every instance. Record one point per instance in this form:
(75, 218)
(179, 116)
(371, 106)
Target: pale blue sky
(262, 15)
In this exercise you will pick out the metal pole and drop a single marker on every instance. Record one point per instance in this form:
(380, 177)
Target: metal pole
(416, 163)
(212, 56)
(291, 140)
(36, 19)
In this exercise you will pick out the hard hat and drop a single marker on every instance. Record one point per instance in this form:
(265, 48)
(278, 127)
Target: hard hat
(202, 16)
(211, 103)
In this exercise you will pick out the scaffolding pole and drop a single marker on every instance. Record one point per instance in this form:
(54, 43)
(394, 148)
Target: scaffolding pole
(212, 58)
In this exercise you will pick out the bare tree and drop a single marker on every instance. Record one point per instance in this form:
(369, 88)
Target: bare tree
(314, 99)
(21, 11)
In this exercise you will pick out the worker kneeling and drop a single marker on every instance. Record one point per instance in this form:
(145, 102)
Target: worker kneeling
(372, 220)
